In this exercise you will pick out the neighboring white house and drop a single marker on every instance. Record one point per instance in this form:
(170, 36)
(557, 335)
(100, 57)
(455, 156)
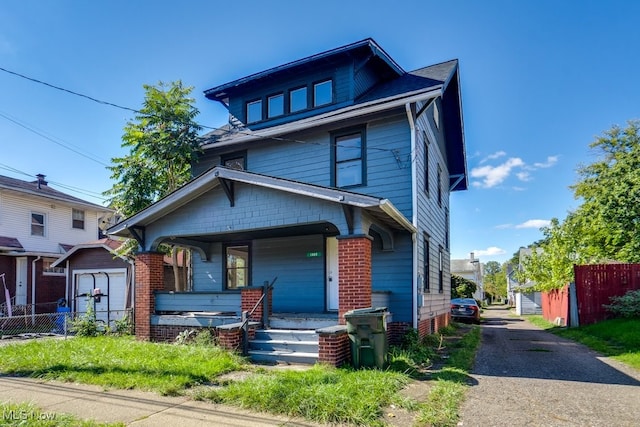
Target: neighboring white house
(526, 301)
(38, 224)
(471, 269)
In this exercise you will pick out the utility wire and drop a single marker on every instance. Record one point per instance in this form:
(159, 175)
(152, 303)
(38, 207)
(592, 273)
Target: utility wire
(224, 132)
(49, 138)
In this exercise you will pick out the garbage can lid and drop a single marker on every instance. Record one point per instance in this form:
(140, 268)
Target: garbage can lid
(365, 311)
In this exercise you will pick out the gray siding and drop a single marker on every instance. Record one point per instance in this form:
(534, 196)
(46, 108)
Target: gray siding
(391, 271)
(432, 218)
(300, 286)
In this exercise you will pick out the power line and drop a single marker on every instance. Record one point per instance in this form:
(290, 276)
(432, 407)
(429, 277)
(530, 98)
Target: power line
(225, 132)
(39, 133)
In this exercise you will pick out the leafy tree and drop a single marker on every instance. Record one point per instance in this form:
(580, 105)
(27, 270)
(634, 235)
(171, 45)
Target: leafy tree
(163, 142)
(461, 287)
(606, 226)
(610, 190)
(494, 280)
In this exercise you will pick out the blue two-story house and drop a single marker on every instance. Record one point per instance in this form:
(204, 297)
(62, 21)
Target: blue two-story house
(333, 175)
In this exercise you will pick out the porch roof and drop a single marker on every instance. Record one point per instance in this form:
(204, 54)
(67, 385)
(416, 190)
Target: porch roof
(219, 176)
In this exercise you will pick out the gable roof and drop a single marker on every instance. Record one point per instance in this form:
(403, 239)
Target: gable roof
(41, 189)
(107, 244)
(379, 208)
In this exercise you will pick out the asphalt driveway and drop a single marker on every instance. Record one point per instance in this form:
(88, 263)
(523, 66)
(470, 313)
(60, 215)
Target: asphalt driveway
(525, 376)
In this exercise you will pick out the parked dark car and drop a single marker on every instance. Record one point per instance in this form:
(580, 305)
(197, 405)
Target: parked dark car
(465, 309)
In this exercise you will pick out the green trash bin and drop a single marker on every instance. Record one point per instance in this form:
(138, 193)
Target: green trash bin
(367, 329)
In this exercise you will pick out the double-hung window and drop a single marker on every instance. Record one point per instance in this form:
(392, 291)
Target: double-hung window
(349, 162)
(37, 224)
(427, 264)
(237, 265)
(77, 219)
(441, 270)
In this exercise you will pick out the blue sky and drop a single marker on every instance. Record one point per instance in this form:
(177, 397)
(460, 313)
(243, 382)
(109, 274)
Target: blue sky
(540, 80)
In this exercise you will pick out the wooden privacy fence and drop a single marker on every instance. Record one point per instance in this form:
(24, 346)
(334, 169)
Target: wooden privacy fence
(595, 284)
(555, 306)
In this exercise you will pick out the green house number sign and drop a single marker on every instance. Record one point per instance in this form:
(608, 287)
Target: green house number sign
(316, 254)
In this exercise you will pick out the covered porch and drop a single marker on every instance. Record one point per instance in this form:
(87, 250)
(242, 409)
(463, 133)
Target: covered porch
(247, 229)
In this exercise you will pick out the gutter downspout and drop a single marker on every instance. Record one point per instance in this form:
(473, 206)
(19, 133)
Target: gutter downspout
(33, 286)
(66, 284)
(414, 217)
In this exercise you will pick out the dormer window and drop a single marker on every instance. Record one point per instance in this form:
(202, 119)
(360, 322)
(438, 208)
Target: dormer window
(254, 111)
(275, 105)
(323, 93)
(298, 99)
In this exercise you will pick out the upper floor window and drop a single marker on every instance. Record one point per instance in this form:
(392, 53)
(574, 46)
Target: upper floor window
(77, 219)
(298, 99)
(236, 160)
(237, 266)
(254, 111)
(323, 93)
(349, 159)
(37, 224)
(439, 186)
(426, 163)
(275, 105)
(427, 264)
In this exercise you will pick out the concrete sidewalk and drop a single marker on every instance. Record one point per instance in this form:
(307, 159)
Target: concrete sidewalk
(134, 408)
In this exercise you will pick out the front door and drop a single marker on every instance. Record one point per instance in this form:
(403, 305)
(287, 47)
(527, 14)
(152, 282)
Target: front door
(332, 274)
(21, 281)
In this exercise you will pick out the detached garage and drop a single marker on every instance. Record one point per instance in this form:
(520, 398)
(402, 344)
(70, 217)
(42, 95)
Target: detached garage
(96, 275)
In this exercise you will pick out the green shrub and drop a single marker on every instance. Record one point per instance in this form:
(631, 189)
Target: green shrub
(627, 305)
(87, 325)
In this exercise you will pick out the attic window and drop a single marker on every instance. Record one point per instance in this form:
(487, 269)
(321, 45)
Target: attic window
(37, 224)
(275, 105)
(254, 111)
(323, 93)
(298, 100)
(436, 115)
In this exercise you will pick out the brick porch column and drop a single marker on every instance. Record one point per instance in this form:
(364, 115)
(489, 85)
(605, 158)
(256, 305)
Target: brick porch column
(354, 272)
(149, 278)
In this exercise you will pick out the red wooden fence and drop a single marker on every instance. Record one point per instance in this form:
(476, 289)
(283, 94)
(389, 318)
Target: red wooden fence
(555, 305)
(595, 284)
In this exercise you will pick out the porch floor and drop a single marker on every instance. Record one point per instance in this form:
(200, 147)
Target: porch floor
(305, 321)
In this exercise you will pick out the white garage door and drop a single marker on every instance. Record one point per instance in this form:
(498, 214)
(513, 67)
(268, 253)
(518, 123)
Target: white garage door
(112, 284)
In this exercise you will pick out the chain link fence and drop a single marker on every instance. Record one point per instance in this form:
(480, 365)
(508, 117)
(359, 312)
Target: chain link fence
(24, 324)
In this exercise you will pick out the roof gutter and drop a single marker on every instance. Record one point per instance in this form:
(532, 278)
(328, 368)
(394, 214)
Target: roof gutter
(414, 219)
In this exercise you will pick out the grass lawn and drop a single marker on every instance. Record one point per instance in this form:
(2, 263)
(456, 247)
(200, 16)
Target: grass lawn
(320, 393)
(617, 338)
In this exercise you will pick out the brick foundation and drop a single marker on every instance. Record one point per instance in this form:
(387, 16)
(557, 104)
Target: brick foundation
(396, 331)
(334, 347)
(149, 278)
(354, 271)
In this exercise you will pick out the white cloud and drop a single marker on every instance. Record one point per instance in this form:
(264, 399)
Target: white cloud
(503, 226)
(490, 251)
(494, 156)
(494, 175)
(534, 223)
(524, 176)
(551, 160)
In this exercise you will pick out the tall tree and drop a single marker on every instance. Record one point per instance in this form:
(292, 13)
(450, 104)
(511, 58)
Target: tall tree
(162, 141)
(461, 287)
(494, 280)
(610, 190)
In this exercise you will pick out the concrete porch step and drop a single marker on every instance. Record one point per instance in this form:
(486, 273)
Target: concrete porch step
(283, 357)
(284, 346)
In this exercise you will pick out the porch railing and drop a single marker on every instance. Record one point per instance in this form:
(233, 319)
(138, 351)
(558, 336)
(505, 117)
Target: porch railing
(246, 315)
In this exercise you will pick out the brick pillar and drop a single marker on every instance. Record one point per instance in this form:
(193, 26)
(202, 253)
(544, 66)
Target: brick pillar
(249, 298)
(149, 278)
(354, 272)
